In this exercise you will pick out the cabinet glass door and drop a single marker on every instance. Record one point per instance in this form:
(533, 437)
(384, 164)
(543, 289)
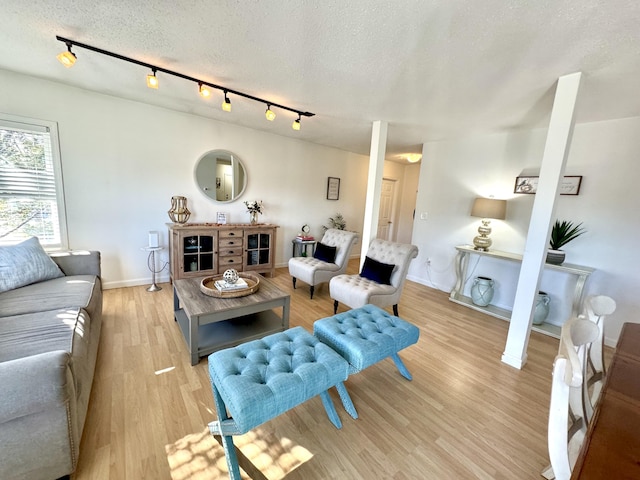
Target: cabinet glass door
(197, 253)
(258, 249)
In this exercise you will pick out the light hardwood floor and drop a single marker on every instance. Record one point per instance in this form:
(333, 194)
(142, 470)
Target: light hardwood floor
(465, 415)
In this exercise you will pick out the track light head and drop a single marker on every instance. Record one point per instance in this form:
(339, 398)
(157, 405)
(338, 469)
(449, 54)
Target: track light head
(270, 114)
(296, 123)
(152, 80)
(204, 90)
(226, 104)
(67, 58)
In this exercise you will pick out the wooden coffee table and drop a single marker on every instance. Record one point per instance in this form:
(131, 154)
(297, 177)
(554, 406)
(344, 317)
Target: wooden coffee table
(209, 324)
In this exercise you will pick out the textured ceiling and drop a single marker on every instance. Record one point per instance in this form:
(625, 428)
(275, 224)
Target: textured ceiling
(433, 70)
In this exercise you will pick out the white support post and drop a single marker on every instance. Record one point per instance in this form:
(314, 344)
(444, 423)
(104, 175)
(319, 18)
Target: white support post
(374, 185)
(554, 159)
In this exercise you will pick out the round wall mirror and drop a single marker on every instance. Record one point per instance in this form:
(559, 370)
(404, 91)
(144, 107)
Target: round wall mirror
(221, 176)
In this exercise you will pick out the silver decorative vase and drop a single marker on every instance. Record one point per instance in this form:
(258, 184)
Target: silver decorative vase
(253, 218)
(482, 291)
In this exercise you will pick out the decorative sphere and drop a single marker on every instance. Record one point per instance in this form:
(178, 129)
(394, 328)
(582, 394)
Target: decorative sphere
(230, 276)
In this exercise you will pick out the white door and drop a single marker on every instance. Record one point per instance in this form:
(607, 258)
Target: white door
(385, 230)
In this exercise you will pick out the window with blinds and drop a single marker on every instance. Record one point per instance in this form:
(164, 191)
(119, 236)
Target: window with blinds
(31, 197)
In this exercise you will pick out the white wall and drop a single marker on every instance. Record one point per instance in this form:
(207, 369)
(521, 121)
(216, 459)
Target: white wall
(606, 154)
(123, 161)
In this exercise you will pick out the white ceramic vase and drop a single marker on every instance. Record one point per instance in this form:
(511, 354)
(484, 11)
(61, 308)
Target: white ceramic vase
(482, 291)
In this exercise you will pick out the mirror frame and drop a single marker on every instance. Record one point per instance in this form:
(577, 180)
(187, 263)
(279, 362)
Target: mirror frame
(211, 157)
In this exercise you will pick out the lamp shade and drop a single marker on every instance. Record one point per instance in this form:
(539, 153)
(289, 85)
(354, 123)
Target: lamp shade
(489, 208)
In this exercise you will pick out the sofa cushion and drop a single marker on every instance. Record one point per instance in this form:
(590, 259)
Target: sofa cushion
(83, 291)
(33, 333)
(24, 264)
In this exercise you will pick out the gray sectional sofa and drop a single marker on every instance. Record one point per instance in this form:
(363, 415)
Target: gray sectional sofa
(49, 336)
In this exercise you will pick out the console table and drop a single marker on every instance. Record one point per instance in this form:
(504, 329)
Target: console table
(462, 262)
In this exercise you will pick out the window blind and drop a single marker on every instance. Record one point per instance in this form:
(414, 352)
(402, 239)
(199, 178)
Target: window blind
(29, 197)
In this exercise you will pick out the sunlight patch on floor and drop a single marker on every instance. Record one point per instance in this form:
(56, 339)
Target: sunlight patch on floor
(164, 370)
(200, 456)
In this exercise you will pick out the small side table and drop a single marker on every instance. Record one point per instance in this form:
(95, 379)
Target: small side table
(151, 263)
(301, 247)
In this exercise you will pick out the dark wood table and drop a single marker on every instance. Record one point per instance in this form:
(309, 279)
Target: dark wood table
(612, 447)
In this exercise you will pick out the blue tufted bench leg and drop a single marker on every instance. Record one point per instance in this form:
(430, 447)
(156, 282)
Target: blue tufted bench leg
(225, 427)
(402, 368)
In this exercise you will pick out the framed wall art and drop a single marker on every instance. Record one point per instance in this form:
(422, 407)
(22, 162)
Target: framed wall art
(333, 188)
(221, 218)
(529, 184)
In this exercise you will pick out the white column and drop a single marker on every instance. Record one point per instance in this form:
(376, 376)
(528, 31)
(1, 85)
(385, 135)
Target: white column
(554, 159)
(374, 185)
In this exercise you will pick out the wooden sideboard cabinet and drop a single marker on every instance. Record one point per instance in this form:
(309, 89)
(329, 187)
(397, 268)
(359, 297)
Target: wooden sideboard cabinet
(200, 249)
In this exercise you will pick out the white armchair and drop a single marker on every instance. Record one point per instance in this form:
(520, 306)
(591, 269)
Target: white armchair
(358, 290)
(315, 271)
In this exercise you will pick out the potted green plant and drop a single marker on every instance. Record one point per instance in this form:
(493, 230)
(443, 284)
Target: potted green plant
(561, 234)
(337, 222)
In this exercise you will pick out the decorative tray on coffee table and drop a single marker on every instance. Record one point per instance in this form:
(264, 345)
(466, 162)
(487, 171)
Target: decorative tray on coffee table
(208, 287)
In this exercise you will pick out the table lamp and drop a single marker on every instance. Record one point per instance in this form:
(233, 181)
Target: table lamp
(487, 208)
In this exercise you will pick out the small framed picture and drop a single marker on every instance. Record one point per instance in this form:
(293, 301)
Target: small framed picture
(570, 185)
(333, 188)
(221, 218)
(528, 184)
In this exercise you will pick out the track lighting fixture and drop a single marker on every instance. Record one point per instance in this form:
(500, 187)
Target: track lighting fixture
(271, 116)
(296, 123)
(152, 80)
(204, 90)
(68, 58)
(226, 104)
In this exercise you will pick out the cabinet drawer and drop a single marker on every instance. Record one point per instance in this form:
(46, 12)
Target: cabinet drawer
(225, 243)
(234, 233)
(235, 262)
(230, 251)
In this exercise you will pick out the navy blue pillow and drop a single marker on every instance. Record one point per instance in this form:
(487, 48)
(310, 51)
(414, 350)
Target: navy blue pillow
(377, 271)
(325, 253)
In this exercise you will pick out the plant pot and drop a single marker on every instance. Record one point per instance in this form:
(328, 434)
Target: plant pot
(555, 257)
(482, 291)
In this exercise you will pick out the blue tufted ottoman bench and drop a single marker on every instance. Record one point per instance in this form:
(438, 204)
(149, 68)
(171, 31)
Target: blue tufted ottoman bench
(259, 380)
(366, 335)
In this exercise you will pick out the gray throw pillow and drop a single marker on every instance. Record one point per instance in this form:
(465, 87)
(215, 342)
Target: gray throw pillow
(24, 264)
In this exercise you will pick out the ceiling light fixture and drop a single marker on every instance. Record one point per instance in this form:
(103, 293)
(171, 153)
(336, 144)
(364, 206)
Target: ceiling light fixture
(296, 123)
(226, 106)
(271, 116)
(413, 157)
(152, 80)
(203, 90)
(67, 58)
